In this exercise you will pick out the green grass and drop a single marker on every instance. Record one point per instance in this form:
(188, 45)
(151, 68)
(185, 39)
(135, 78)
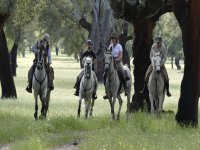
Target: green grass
(19, 130)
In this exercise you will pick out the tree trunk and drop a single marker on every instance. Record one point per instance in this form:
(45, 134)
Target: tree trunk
(123, 39)
(188, 16)
(7, 82)
(141, 52)
(172, 62)
(13, 55)
(100, 33)
(13, 52)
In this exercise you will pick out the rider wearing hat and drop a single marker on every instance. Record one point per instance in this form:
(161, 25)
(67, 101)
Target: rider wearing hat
(88, 53)
(117, 53)
(42, 44)
(158, 47)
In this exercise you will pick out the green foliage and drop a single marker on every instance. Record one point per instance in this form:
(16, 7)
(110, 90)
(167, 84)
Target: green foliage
(168, 28)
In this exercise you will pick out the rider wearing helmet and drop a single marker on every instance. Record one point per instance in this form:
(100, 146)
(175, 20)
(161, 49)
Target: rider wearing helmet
(88, 53)
(42, 44)
(158, 47)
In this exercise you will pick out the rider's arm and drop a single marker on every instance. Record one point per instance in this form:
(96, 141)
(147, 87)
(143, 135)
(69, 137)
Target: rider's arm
(34, 48)
(120, 53)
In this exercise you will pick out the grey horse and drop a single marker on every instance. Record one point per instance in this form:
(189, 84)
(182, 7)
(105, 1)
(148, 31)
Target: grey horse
(114, 86)
(40, 85)
(87, 87)
(156, 85)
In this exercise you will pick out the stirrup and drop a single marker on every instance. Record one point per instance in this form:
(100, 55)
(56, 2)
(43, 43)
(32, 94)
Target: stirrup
(76, 93)
(105, 96)
(29, 89)
(169, 94)
(126, 92)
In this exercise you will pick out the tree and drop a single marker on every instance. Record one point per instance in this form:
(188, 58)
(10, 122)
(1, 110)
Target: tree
(7, 83)
(8, 9)
(187, 14)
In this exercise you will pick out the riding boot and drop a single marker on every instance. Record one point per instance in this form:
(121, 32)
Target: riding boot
(125, 87)
(104, 82)
(50, 82)
(77, 86)
(167, 87)
(30, 78)
(29, 87)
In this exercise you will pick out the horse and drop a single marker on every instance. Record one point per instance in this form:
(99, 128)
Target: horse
(87, 87)
(114, 86)
(156, 85)
(40, 85)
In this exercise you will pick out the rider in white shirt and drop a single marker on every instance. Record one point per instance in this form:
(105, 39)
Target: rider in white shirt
(117, 53)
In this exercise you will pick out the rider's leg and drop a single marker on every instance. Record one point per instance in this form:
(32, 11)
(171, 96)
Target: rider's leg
(77, 84)
(50, 75)
(122, 74)
(146, 79)
(166, 80)
(30, 78)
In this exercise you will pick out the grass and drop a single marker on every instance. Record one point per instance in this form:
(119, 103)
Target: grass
(19, 130)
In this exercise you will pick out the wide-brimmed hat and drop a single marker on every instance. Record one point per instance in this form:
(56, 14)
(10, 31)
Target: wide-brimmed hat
(114, 35)
(158, 39)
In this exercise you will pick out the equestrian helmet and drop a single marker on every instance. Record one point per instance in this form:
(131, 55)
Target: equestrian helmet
(46, 37)
(158, 39)
(89, 42)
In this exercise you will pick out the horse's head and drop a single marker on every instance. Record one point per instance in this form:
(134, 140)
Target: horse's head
(88, 67)
(157, 62)
(108, 60)
(40, 59)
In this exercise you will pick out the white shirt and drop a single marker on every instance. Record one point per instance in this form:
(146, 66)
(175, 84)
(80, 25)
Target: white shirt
(116, 50)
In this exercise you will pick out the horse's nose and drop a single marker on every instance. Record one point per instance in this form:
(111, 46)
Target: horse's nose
(158, 71)
(38, 67)
(106, 69)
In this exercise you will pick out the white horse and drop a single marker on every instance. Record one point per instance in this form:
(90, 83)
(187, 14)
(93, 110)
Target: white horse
(87, 87)
(156, 85)
(40, 85)
(114, 86)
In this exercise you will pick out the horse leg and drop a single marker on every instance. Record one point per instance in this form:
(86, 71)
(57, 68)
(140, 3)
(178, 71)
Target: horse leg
(42, 109)
(120, 106)
(91, 107)
(128, 106)
(114, 100)
(79, 108)
(112, 110)
(160, 98)
(87, 106)
(152, 103)
(36, 106)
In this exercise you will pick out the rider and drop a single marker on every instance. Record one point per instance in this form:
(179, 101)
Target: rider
(158, 47)
(42, 44)
(117, 53)
(89, 52)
